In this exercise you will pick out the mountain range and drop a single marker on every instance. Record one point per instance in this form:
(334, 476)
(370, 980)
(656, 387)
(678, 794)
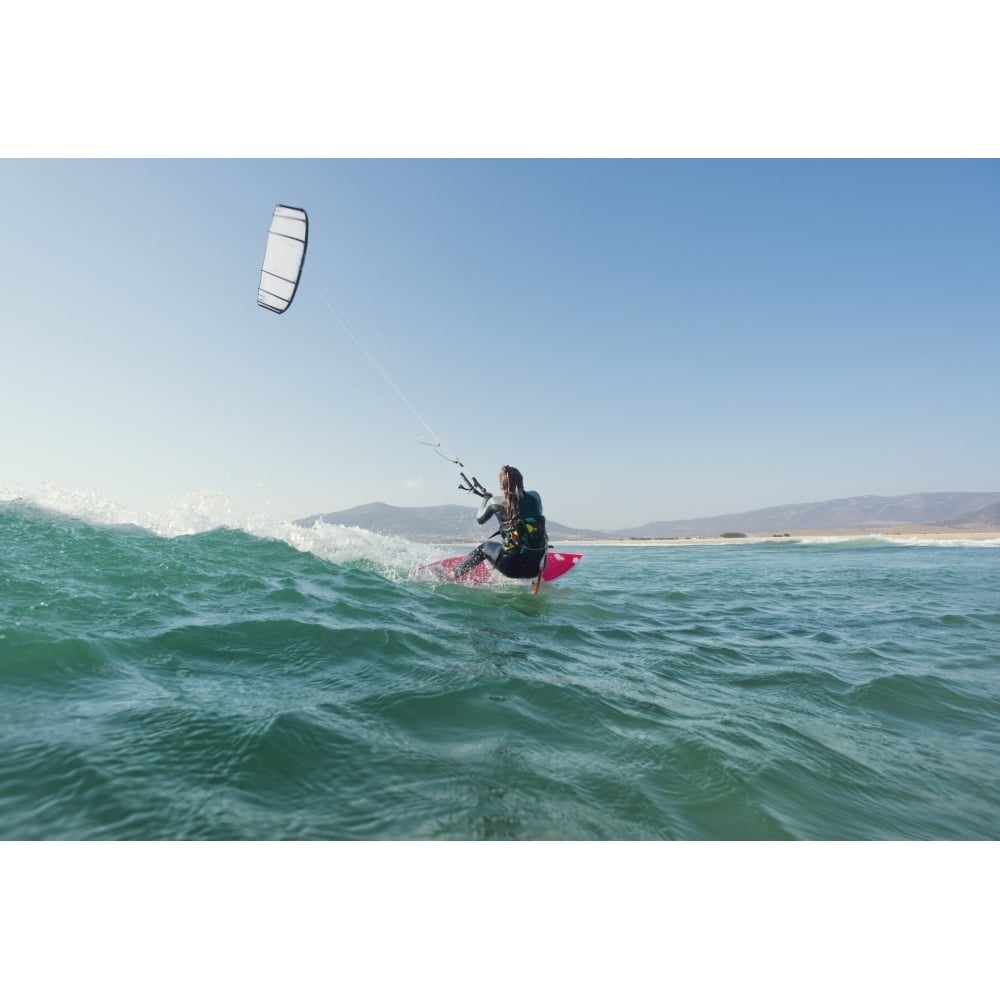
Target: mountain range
(968, 511)
(455, 523)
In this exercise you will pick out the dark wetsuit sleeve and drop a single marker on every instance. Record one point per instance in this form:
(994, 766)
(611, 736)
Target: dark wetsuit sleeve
(488, 508)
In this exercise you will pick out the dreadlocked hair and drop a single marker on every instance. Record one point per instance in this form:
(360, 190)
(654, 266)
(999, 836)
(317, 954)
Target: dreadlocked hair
(512, 484)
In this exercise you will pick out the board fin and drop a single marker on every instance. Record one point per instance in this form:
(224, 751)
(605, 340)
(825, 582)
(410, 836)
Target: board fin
(537, 585)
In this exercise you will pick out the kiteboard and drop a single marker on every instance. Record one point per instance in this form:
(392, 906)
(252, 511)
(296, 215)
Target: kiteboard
(556, 563)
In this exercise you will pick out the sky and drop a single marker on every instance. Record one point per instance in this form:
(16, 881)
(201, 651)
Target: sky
(668, 329)
(644, 339)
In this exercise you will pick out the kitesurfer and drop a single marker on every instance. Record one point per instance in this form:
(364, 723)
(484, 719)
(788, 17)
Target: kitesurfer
(520, 550)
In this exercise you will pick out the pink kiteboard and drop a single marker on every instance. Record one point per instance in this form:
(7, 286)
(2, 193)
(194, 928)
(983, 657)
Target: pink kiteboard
(556, 563)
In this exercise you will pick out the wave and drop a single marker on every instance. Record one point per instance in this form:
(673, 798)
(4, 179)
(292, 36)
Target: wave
(205, 513)
(877, 539)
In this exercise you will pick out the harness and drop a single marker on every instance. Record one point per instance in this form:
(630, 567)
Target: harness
(527, 533)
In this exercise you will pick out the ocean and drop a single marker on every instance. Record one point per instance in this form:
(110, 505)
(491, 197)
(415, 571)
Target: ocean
(258, 681)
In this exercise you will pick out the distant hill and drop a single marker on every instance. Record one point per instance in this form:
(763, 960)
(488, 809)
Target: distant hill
(446, 523)
(455, 523)
(983, 519)
(852, 514)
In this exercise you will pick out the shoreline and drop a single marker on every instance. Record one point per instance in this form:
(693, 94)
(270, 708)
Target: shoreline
(917, 532)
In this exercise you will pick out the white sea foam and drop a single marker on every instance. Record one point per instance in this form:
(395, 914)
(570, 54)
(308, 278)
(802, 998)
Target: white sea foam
(958, 543)
(880, 539)
(197, 513)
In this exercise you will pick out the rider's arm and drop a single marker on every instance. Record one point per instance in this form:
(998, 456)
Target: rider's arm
(488, 508)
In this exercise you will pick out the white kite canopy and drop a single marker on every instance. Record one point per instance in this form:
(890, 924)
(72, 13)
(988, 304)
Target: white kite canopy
(283, 256)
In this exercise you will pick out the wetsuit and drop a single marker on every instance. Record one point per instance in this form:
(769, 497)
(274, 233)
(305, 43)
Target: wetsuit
(522, 544)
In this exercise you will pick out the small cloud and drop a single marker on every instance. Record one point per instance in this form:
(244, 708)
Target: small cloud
(414, 484)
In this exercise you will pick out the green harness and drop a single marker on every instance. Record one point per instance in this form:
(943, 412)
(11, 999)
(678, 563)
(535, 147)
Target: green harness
(527, 533)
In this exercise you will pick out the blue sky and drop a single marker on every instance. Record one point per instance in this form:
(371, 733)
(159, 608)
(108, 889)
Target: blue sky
(645, 339)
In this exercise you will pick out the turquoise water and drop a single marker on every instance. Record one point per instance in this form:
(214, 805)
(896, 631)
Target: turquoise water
(274, 682)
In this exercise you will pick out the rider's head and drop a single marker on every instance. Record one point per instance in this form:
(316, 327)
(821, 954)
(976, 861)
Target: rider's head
(511, 480)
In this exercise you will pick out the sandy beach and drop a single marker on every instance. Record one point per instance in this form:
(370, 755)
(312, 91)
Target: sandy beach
(918, 532)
